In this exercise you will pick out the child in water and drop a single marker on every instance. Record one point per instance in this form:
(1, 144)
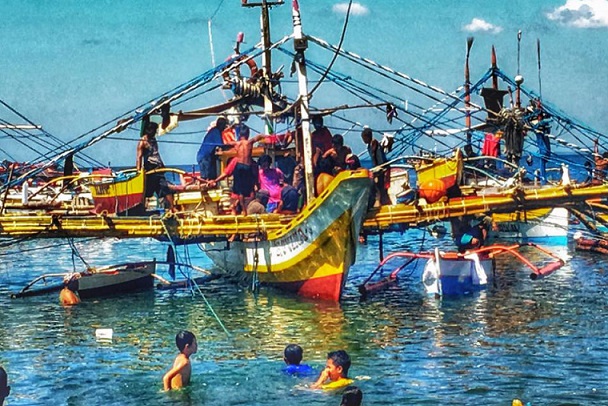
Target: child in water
(352, 396)
(179, 375)
(335, 374)
(5, 389)
(293, 358)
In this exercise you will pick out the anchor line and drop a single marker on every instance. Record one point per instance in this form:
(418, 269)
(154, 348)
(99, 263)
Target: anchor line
(192, 284)
(219, 321)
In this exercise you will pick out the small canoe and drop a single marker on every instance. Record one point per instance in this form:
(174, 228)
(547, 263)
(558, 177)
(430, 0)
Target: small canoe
(112, 280)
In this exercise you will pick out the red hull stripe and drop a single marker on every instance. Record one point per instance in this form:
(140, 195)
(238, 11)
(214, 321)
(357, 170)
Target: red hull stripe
(325, 288)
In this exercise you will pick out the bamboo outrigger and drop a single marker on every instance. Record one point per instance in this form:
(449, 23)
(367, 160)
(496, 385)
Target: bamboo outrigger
(191, 226)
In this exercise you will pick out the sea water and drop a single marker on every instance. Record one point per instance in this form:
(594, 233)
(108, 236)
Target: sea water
(541, 341)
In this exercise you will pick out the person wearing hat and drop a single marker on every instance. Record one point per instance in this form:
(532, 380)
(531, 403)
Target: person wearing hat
(471, 232)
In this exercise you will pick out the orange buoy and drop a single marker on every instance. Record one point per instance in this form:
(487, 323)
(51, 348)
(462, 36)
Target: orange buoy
(432, 190)
(68, 298)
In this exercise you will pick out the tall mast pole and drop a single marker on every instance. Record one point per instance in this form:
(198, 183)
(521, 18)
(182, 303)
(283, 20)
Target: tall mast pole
(467, 90)
(300, 45)
(267, 64)
(494, 69)
(518, 79)
(266, 58)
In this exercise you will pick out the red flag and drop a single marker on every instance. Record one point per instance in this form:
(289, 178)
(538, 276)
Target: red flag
(295, 5)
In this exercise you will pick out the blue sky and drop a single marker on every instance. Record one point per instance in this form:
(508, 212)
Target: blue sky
(71, 67)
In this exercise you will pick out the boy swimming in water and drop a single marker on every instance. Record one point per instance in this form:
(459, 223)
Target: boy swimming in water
(335, 374)
(179, 375)
(293, 358)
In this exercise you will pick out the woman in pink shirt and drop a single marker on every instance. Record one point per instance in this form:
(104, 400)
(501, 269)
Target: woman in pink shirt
(271, 179)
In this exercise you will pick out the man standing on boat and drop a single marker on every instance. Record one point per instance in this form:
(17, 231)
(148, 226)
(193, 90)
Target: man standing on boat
(244, 172)
(148, 155)
(380, 168)
(321, 139)
(206, 158)
(601, 161)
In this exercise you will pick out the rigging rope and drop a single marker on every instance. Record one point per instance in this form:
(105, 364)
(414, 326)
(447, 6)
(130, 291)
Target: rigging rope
(333, 59)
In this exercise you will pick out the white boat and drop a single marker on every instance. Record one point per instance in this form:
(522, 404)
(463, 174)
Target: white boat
(454, 273)
(546, 226)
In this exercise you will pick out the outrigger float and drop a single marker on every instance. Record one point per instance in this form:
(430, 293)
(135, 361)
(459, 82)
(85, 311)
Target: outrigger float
(454, 273)
(310, 253)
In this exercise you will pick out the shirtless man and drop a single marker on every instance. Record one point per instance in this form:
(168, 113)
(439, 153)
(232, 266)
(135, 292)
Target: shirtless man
(244, 174)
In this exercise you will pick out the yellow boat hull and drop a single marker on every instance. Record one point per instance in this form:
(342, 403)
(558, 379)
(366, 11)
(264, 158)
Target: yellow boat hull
(312, 254)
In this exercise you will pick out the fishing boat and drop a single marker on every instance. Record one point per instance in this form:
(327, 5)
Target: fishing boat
(61, 194)
(308, 253)
(548, 226)
(447, 172)
(313, 253)
(119, 194)
(95, 282)
(455, 273)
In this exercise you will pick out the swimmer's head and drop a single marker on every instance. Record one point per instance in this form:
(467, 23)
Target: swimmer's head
(352, 396)
(186, 342)
(341, 360)
(5, 389)
(293, 354)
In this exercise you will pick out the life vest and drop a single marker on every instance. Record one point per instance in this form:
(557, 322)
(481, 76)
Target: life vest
(340, 383)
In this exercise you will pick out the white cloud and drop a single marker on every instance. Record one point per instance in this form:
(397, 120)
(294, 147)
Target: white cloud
(356, 9)
(582, 13)
(477, 25)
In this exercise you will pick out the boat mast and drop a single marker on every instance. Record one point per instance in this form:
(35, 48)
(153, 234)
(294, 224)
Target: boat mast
(519, 79)
(300, 45)
(494, 69)
(467, 90)
(266, 58)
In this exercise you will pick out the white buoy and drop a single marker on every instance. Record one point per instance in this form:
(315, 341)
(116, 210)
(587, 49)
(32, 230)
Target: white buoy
(104, 334)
